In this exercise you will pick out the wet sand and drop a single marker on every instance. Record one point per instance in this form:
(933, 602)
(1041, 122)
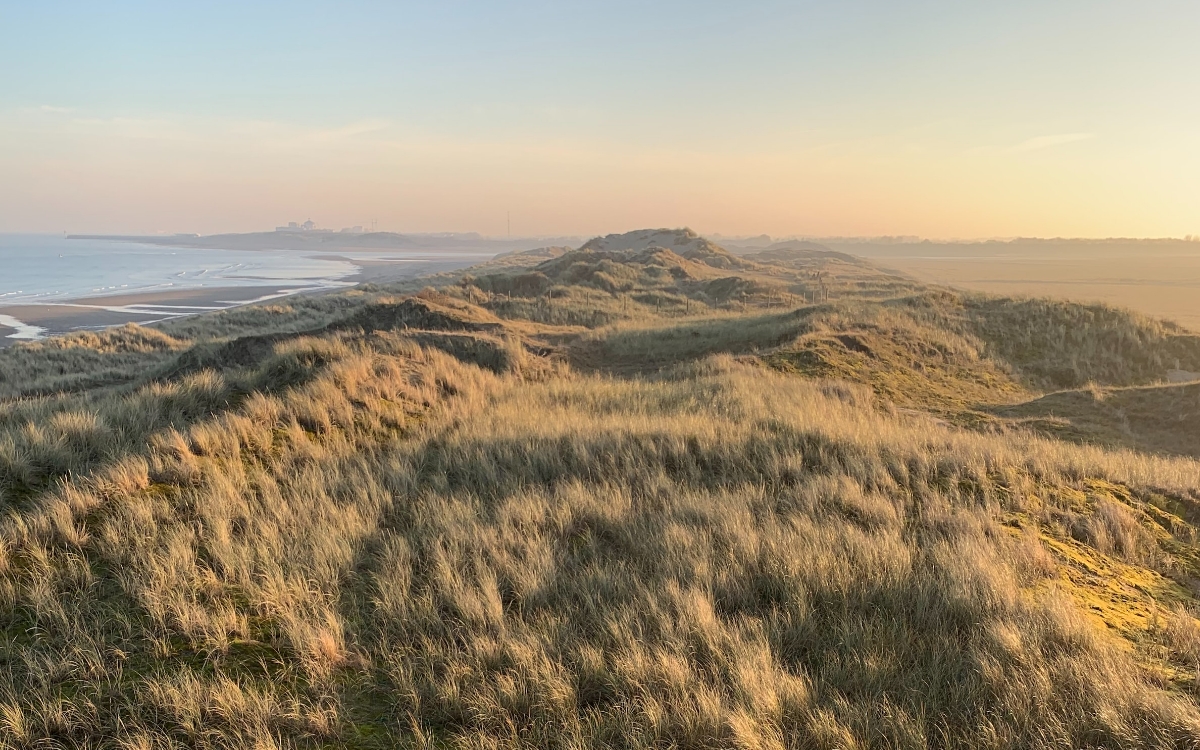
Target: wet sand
(95, 313)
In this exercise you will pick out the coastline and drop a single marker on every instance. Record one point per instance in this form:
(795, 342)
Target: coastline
(35, 321)
(96, 313)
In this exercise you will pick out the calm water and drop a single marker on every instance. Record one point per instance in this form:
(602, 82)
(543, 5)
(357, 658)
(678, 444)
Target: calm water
(46, 268)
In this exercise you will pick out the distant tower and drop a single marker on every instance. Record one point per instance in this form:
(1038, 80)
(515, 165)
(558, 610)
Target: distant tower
(510, 223)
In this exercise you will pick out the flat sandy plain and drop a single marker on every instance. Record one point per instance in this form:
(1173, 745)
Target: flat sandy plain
(1156, 277)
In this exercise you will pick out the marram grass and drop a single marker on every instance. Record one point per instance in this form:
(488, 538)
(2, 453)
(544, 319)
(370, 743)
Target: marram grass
(271, 529)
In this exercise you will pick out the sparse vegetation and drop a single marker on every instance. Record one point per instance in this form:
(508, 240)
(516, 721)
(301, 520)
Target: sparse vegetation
(616, 508)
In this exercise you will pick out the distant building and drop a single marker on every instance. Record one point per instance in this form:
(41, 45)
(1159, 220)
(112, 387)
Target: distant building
(351, 230)
(310, 226)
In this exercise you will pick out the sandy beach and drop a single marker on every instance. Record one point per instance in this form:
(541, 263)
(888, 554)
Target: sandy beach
(383, 270)
(22, 322)
(100, 312)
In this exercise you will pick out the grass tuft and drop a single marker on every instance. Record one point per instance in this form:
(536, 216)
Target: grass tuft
(633, 495)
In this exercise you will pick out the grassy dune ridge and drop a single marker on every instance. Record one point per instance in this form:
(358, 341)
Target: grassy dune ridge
(489, 518)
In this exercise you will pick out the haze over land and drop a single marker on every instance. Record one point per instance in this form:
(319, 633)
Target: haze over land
(1159, 277)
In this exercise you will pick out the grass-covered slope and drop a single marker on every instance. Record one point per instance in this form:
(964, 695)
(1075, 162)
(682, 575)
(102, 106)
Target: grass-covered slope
(1158, 418)
(372, 520)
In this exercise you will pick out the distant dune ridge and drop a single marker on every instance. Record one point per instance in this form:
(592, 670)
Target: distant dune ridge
(641, 493)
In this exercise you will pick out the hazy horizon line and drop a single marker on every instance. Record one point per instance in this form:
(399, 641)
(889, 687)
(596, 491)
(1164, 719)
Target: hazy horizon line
(897, 239)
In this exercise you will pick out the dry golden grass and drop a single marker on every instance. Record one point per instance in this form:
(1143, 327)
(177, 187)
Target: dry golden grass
(359, 521)
(1159, 418)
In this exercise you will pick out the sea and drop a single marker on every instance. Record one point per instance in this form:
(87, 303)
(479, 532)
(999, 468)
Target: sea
(38, 268)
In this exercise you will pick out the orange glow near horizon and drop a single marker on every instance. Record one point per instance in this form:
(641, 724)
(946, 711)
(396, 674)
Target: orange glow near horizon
(858, 119)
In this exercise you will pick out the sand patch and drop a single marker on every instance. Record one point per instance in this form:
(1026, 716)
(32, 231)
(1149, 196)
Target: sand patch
(23, 331)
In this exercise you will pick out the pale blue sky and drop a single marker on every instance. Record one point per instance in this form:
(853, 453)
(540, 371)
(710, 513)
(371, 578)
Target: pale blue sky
(932, 118)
